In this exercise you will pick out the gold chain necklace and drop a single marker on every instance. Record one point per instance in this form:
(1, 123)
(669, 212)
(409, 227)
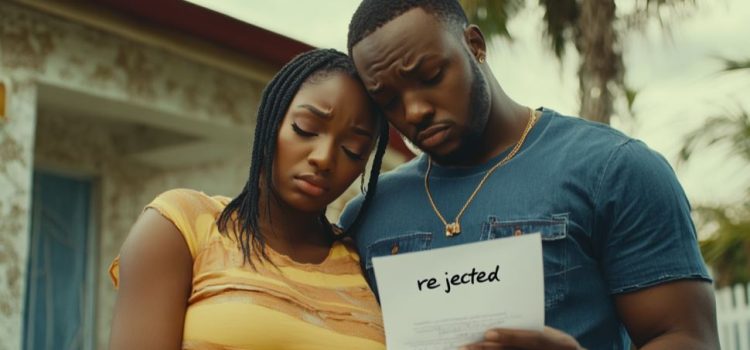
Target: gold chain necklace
(454, 228)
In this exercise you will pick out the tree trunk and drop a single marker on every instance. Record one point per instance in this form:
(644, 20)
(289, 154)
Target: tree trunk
(601, 70)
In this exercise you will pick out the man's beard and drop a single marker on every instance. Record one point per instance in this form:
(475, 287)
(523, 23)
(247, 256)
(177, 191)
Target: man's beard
(479, 105)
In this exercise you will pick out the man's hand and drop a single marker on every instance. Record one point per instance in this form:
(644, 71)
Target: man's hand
(507, 339)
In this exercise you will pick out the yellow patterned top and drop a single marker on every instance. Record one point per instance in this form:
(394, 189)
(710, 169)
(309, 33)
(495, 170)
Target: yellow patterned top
(290, 306)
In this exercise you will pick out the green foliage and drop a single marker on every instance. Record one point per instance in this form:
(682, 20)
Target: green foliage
(560, 18)
(492, 16)
(594, 28)
(728, 248)
(732, 128)
(733, 65)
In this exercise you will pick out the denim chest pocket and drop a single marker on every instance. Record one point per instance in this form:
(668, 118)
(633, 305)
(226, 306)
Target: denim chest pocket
(554, 248)
(407, 242)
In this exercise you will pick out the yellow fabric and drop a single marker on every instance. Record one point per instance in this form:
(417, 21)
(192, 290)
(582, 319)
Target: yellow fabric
(292, 306)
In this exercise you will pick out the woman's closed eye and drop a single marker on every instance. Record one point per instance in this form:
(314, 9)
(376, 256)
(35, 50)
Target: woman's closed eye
(353, 155)
(302, 132)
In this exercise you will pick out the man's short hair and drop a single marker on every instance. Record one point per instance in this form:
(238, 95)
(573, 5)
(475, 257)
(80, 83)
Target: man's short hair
(373, 14)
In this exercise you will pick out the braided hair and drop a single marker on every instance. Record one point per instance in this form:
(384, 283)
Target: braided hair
(243, 211)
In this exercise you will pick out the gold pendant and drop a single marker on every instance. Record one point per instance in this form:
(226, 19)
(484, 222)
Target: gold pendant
(452, 229)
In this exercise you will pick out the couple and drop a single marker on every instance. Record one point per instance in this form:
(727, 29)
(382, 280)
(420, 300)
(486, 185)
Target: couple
(266, 270)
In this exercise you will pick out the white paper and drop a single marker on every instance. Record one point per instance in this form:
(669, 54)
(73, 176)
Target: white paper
(442, 318)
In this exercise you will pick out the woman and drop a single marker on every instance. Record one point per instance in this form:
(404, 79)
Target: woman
(265, 270)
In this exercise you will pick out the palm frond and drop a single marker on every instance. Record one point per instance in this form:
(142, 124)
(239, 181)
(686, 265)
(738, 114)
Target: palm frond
(734, 65)
(728, 249)
(646, 10)
(732, 128)
(560, 18)
(492, 16)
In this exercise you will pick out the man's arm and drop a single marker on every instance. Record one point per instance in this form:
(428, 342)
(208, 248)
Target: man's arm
(675, 315)
(647, 238)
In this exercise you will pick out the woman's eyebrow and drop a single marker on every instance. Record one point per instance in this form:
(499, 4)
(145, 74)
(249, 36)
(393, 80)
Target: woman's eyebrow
(316, 111)
(361, 131)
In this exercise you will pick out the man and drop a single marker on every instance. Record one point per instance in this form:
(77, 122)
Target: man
(620, 255)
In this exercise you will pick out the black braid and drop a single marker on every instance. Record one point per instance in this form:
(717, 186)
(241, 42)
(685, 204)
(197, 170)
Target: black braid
(374, 174)
(243, 211)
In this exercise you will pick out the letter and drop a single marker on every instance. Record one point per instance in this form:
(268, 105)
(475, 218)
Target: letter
(447, 284)
(473, 274)
(419, 283)
(465, 275)
(432, 284)
(493, 276)
(480, 277)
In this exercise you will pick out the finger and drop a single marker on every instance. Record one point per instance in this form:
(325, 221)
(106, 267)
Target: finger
(485, 345)
(526, 339)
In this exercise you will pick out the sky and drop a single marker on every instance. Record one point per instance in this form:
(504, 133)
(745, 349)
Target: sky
(676, 72)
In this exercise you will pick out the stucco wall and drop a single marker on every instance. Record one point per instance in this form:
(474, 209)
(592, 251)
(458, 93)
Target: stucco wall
(16, 140)
(36, 47)
(123, 185)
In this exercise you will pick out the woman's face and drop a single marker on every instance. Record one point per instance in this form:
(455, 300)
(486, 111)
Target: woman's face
(324, 142)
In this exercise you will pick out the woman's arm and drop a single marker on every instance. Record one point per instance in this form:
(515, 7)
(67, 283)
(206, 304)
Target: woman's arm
(155, 283)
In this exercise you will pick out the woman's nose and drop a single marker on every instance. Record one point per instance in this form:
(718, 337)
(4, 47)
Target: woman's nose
(323, 155)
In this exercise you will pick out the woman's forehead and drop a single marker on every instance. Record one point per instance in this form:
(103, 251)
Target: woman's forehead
(338, 95)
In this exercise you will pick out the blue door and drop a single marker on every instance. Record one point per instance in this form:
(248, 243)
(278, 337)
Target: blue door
(57, 284)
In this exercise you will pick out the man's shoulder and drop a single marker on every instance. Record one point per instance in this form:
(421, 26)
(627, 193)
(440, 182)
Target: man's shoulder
(585, 132)
(402, 174)
(576, 139)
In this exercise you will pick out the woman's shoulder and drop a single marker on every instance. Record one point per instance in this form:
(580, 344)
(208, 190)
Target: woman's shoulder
(194, 213)
(191, 199)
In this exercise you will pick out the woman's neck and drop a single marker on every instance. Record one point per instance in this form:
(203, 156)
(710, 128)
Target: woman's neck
(302, 236)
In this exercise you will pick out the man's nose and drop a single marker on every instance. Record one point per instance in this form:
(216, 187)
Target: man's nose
(417, 110)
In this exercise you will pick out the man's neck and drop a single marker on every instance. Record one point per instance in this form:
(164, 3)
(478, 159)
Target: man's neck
(505, 124)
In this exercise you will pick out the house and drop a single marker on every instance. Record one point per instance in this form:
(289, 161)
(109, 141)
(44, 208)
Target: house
(103, 105)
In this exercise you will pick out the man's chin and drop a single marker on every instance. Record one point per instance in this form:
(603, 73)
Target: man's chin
(455, 153)
(449, 156)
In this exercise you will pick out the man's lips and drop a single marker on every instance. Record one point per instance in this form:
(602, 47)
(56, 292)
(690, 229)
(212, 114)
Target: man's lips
(433, 135)
(311, 184)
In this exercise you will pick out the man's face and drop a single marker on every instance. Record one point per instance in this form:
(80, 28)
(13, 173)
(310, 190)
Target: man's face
(426, 81)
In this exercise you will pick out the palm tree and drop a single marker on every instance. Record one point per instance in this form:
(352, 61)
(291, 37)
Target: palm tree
(728, 248)
(593, 26)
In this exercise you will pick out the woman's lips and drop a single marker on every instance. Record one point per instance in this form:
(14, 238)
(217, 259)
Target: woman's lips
(311, 185)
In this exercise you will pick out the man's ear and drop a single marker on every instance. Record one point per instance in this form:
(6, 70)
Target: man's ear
(475, 40)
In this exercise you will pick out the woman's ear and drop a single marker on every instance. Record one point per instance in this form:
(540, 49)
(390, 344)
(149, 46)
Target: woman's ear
(475, 41)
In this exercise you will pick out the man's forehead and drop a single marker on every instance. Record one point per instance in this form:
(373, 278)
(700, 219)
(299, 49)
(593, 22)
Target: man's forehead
(412, 27)
(409, 34)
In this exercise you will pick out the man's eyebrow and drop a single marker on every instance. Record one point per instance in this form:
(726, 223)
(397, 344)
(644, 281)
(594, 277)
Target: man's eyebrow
(375, 88)
(316, 111)
(413, 66)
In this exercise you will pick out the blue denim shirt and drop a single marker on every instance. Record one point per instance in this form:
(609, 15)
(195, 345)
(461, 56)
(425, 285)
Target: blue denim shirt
(612, 216)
